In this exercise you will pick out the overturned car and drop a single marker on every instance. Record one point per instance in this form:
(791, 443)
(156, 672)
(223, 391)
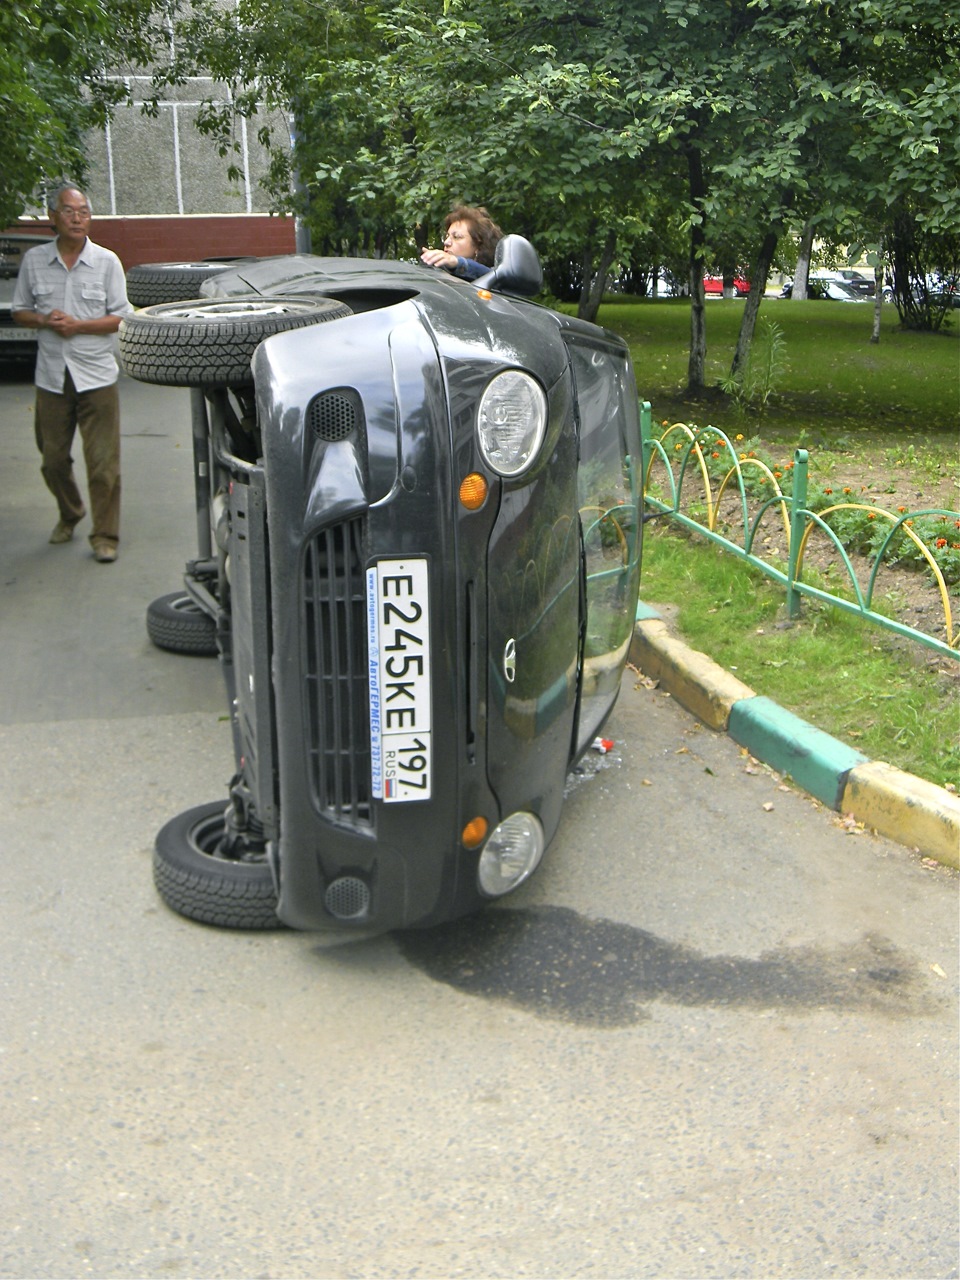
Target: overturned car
(419, 553)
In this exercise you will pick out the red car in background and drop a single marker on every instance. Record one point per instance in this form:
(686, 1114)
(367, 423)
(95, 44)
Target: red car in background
(713, 286)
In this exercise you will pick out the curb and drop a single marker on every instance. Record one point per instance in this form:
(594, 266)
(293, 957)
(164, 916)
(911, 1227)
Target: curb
(909, 810)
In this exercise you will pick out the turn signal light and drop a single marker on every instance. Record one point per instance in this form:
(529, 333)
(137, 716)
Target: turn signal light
(474, 833)
(473, 491)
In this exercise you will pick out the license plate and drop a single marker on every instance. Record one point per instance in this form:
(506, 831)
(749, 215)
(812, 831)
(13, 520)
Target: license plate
(15, 334)
(398, 625)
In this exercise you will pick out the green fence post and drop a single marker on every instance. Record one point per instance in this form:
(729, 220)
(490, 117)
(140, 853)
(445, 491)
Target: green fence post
(798, 504)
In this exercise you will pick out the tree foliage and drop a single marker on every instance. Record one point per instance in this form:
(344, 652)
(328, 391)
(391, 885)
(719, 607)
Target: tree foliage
(602, 127)
(55, 84)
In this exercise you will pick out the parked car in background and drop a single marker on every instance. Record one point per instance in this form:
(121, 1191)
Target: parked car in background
(713, 286)
(17, 345)
(857, 281)
(819, 289)
(938, 289)
(943, 288)
(419, 523)
(666, 286)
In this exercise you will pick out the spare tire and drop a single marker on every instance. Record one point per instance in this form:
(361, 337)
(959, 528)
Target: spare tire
(209, 342)
(153, 282)
(176, 622)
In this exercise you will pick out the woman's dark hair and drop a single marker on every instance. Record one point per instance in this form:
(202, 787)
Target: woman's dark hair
(484, 231)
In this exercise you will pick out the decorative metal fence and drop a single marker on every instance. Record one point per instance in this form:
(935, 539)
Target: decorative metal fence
(678, 454)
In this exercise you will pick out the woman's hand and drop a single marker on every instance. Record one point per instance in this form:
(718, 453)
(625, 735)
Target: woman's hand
(439, 258)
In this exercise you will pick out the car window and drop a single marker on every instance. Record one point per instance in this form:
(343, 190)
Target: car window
(12, 249)
(11, 255)
(607, 483)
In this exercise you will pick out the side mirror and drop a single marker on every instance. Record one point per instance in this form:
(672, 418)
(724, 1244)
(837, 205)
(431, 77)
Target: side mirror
(516, 269)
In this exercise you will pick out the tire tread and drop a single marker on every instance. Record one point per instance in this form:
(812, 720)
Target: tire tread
(210, 890)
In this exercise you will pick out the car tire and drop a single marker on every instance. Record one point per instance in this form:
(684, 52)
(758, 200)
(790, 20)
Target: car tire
(176, 622)
(194, 882)
(154, 282)
(209, 342)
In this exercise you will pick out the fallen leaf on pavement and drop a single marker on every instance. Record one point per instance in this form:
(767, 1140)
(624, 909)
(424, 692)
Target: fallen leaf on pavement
(849, 824)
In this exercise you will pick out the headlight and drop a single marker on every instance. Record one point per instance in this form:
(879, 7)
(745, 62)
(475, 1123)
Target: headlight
(510, 855)
(511, 421)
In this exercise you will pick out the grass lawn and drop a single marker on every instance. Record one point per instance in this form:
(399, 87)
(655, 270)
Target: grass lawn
(889, 698)
(853, 404)
(836, 383)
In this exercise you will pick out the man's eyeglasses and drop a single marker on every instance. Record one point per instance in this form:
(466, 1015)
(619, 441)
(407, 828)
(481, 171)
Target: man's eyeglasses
(78, 215)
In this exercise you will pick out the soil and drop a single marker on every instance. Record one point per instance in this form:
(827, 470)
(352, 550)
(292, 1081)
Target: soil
(913, 593)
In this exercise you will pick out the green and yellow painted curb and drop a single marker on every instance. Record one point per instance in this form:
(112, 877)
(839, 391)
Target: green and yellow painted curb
(913, 812)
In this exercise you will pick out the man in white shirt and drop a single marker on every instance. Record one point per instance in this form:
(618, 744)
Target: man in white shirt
(73, 291)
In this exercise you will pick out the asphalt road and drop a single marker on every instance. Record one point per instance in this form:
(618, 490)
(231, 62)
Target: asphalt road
(716, 1035)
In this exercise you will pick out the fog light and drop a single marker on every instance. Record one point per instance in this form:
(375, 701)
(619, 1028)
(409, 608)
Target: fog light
(510, 855)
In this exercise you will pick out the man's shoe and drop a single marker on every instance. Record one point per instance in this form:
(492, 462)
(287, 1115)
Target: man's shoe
(105, 553)
(62, 533)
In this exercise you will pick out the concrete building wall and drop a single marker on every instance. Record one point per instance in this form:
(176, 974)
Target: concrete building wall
(161, 193)
(163, 165)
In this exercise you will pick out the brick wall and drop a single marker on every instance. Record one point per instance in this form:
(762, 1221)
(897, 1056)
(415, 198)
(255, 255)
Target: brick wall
(185, 237)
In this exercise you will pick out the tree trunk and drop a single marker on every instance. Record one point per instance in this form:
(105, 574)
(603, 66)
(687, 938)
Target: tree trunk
(802, 277)
(879, 273)
(586, 275)
(697, 361)
(594, 282)
(760, 271)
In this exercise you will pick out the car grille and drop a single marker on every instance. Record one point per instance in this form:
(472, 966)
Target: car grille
(337, 690)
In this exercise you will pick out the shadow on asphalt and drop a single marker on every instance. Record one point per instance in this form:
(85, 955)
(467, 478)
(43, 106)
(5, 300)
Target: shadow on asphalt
(558, 964)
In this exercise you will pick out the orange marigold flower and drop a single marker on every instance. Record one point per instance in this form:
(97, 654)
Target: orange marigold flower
(848, 490)
(955, 546)
(831, 491)
(714, 455)
(941, 542)
(678, 446)
(901, 508)
(871, 515)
